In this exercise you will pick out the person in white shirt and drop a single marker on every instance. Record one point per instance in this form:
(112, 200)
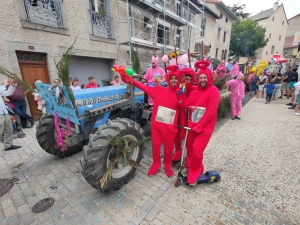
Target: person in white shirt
(7, 89)
(75, 85)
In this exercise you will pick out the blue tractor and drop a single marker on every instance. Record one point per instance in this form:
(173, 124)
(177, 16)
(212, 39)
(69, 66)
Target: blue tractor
(100, 114)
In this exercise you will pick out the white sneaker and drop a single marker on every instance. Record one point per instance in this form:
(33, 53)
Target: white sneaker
(297, 114)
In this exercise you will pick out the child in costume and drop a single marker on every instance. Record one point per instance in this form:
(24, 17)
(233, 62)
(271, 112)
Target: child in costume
(188, 73)
(237, 94)
(270, 89)
(206, 96)
(164, 117)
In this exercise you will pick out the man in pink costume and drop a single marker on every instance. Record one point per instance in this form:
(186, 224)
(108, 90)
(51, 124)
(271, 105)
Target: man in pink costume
(164, 117)
(221, 70)
(234, 70)
(237, 87)
(188, 73)
(206, 96)
(151, 74)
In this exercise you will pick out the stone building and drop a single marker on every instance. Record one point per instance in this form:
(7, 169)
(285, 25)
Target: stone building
(276, 23)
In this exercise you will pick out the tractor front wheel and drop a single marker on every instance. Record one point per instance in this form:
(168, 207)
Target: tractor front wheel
(99, 154)
(46, 139)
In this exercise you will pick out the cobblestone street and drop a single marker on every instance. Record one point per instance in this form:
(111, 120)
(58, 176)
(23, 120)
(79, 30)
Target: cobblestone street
(257, 157)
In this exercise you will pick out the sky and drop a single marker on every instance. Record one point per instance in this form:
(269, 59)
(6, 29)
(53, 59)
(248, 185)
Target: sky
(292, 7)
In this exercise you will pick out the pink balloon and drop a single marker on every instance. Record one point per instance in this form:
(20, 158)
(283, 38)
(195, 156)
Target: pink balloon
(165, 59)
(173, 61)
(184, 59)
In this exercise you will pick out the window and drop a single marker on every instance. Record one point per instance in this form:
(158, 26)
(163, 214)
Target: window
(219, 33)
(178, 9)
(226, 20)
(160, 35)
(221, 15)
(288, 51)
(266, 52)
(225, 54)
(146, 22)
(269, 35)
(276, 52)
(273, 19)
(178, 38)
(203, 27)
(224, 37)
(282, 22)
(272, 49)
(280, 38)
(216, 56)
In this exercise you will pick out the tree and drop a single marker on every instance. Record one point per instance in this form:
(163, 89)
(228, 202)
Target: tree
(246, 37)
(238, 10)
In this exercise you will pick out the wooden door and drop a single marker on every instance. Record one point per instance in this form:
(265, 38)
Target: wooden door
(33, 67)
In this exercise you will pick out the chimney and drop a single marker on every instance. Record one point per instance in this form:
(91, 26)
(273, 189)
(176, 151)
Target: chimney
(275, 6)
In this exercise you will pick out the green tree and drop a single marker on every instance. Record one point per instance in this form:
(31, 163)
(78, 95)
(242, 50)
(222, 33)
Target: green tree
(239, 10)
(246, 37)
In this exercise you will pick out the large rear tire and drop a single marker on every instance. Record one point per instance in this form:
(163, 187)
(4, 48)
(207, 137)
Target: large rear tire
(99, 154)
(45, 137)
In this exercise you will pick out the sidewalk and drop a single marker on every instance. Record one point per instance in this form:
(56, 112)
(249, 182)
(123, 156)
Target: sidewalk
(257, 157)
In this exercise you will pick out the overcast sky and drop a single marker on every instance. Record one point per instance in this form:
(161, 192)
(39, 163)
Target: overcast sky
(292, 7)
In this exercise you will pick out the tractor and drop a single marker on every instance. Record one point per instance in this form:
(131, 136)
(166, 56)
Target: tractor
(99, 115)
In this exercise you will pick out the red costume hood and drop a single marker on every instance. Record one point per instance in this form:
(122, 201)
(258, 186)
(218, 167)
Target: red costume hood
(191, 72)
(202, 66)
(173, 71)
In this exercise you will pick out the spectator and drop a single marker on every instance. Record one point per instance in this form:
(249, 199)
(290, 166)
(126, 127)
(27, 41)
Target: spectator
(287, 78)
(92, 83)
(234, 70)
(261, 85)
(6, 128)
(270, 88)
(211, 63)
(277, 82)
(83, 86)
(221, 70)
(253, 84)
(74, 85)
(116, 81)
(297, 94)
(293, 81)
(18, 100)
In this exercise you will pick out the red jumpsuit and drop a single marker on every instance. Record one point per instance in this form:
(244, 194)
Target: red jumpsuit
(182, 118)
(164, 119)
(198, 140)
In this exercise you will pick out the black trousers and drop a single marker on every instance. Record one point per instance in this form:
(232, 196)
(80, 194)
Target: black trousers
(268, 97)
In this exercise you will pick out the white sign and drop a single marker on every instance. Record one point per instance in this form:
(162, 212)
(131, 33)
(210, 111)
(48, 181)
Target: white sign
(296, 38)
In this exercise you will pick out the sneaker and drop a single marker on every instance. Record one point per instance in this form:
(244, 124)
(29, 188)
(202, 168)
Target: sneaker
(280, 97)
(290, 104)
(292, 107)
(297, 114)
(13, 147)
(31, 122)
(266, 103)
(236, 117)
(233, 118)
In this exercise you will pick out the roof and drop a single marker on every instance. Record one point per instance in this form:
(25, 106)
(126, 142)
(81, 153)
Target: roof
(262, 15)
(288, 42)
(294, 17)
(224, 8)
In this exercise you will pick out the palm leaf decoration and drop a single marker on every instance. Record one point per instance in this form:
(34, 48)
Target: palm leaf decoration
(12, 75)
(62, 66)
(124, 146)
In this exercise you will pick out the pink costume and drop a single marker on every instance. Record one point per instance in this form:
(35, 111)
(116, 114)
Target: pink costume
(234, 70)
(221, 70)
(237, 94)
(151, 73)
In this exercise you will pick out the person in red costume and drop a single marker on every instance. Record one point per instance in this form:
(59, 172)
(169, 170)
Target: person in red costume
(188, 73)
(164, 117)
(208, 97)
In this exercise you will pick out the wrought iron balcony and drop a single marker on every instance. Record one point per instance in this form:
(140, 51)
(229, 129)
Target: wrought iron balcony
(102, 25)
(47, 12)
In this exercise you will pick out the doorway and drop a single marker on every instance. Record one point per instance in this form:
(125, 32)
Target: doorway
(33, 66)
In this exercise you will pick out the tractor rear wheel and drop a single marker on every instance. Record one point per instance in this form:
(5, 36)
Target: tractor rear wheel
(45, 137)
(99, 154)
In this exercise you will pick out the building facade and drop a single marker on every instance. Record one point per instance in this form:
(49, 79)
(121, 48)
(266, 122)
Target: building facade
(292, 40)
(275, 22)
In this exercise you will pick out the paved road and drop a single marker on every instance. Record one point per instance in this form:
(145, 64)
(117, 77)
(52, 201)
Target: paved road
(257, 157)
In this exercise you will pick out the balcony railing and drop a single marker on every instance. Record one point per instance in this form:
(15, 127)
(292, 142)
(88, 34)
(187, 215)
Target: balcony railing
(102, 25)
(46, 12)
